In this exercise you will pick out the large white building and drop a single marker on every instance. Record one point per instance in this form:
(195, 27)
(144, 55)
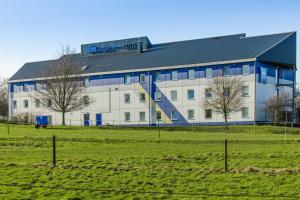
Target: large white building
(134, 82)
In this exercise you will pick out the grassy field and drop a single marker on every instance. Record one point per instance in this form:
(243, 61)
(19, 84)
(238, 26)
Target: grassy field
(134, 163)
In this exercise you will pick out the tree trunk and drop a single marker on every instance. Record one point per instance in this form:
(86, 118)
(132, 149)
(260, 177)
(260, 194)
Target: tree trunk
(226, 123)
(63, 119)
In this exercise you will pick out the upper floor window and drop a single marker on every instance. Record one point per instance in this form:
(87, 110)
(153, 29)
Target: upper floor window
(226, 71)
(208, 72)
(245, 91)
(191, 74)
(191, 94)
(245, 69)
(26, 88)
(25, 102)
(37, 103)
(127, 79)
(157, 76)
(127, 98)
(142, 78)
(174, 75)
(174, 95)
(15, 104)
(226, 91)
(142, 97)
(157, 96)
(86, 82)
(208, 93)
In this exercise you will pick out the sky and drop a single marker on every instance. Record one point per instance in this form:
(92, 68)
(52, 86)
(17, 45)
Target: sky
(35, 30)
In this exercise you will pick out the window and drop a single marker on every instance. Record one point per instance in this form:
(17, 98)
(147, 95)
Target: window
(142, 78)
(191, 114)
(86, 82)
(245, 91)
(208, 72)
(208, 93)
(25, 103)
(49, 103)
(142, 116)
(37, 103)
(245, 112)
(86, 100)
(142, 97)
(158, 115)
(191, 94)
(174, 95)
(226, 71)
(127, 98)
(191, 74)
(157, 96)
(208, 113)
(157, 76)
(26, 88)
(174, 75)
(127, 79)
(174, 115)
(40, 86)
(226, 92)
(15, 104)
(245, 69)
(127, 116)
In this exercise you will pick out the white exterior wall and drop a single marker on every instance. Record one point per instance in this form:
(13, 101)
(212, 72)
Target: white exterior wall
(109, 101)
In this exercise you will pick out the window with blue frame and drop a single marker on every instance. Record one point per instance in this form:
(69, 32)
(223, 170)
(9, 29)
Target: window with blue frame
(174, 75)
(142, 78)
(208, 72)
(263, 75)
(157, 76)
(127, 79)
(191, 74)
(157, 96)
(226, 71)
(245, 69)
(174, 115)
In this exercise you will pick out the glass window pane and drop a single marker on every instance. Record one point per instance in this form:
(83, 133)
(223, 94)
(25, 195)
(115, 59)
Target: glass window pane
(174, 75)
(191, 114)
(174, 115)
(157, 96)
(142, 78)
(127, 98)
(142, 97)
(158, 115)
(226, 71)
(208, 93)
(208, 113)
(127, 79)
(191, 74)
(245, 69)
(157, 76)
(191, 94)
(245, 91)
(173, 95)
(127, 116)
(142, 116)
(208, 72)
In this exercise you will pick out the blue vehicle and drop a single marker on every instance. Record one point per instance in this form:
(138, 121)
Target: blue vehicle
(41, 121)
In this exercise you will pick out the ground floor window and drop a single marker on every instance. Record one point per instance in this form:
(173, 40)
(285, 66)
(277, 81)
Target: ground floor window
(25, 103)
(127, 116)
(245, 111)
(15, 104)
(174, 115)
(208, 113)
(142, 116)
(191, 114)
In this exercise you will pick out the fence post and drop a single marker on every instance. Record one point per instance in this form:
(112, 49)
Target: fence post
(225, 156)
(254, 127)
(8, 129)
(158, 128)
(54, 151)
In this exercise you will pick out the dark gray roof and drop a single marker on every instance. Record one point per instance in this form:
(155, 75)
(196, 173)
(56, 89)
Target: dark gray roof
(215, 49)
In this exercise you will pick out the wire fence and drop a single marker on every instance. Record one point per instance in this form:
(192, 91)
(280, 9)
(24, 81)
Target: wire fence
(264, 149)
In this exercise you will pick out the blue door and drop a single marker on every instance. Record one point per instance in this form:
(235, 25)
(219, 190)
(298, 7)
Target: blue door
(86, 119)
(44, 120)
(38, 120)
(98, 119)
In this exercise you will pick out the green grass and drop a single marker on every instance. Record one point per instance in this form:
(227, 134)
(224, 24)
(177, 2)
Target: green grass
(133, 163)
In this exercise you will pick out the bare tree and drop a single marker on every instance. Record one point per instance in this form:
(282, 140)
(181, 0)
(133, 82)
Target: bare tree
(3, 97)
(61, 89)
(226, 96)
(276, 106)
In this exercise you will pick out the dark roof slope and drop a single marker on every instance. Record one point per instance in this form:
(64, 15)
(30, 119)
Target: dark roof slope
(224, 48)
